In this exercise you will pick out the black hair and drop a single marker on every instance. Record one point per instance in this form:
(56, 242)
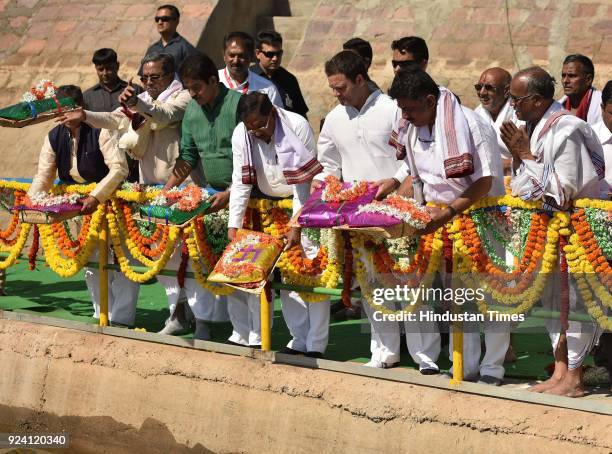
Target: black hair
(414, 45)
(606, 93)
(539, 82)
(253, 103)
(167, 61)
(269, 37)
(71, 91)
(585, 61)
(173, 9)
(361, 46)
(198, 66)
(413, 84)
(348, 63)
(104, 56)
(242, 36)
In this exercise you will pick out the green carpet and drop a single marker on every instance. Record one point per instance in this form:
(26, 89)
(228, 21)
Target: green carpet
(43, 292)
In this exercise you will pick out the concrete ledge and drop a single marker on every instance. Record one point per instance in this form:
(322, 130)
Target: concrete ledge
(117, 394)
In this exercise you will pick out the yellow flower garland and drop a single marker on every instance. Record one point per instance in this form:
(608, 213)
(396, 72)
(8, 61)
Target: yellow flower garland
(67, 267)
(17, 247)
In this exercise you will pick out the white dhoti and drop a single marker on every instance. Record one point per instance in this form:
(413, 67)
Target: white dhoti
(200, 300)
(122, 294)
(244, 313)
(384, 337)
(308, 323)
(423, 340)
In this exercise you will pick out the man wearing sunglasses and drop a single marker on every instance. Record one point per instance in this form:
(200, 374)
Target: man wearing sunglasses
(492, 91)
(238, 53)
(558, 160)
(167, 20)
(269, 52)
(409, 51)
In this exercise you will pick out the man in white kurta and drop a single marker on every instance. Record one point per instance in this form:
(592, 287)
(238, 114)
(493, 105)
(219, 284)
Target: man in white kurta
(432, 112)
(353, 145)
(559, 160)
(264, 142)
(238, 53)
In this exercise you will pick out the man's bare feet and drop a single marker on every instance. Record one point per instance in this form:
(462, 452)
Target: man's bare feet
(570, 385)
(546, 385)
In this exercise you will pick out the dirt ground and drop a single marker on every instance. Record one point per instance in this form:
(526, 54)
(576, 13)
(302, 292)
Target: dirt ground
(120, 395)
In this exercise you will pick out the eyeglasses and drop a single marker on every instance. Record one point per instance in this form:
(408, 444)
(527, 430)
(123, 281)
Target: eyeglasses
(272, 53)
(514, 100)
(262, 128)
(404, 63)
(152, 78)
(487, 87)
(163, 18)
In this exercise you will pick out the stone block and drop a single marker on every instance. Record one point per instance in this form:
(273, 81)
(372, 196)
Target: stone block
(112, 11)
(584, 9)
(602, 28)
(18, 22)
(197, 10)
(8, 40)
(26, 3)
(144, 10)
(64, 27)
(343, 29)
(32, 46)
(403, 13)
(46, 13)
(318, 28)
(41, 29)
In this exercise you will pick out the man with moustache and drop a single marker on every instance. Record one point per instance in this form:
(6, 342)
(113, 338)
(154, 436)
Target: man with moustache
(238, 53)
(581, 98)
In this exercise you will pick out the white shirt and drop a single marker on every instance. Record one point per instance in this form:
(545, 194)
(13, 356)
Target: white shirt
(429, 160)
(594, 113)
(605, 137)
(506, 114)
(270, 178)
(253, 82)
(563, 147)
(354, 144)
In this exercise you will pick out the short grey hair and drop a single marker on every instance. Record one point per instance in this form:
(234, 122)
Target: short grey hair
(167, 61)
(539, 82)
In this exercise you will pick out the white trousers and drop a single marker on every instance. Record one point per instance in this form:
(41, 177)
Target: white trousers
(422, 339)
(308, 323)
(497, 341)
(244, 313)
(201, 301)
(122, 294)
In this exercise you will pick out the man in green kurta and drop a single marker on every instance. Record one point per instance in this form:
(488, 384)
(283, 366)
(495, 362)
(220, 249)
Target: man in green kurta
(208, 124)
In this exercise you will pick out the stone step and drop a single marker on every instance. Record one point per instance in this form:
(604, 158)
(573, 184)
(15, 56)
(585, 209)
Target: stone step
(291, 28)
(301, 8)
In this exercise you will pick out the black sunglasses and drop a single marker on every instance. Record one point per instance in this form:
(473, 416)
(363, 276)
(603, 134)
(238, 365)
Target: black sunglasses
(487, 87)
(403, 63)
(152, 78)
(272, 53)
(163, 18)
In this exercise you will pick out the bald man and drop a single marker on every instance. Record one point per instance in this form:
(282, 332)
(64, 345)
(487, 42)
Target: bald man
(492, 91)
(558, 159)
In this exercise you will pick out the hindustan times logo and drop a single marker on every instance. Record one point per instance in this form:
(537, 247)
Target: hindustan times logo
(412, 295)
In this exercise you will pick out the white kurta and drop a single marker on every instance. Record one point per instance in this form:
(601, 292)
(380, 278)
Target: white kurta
(605, 137)
(253, 82)
(594, 113)
(506, 114)
(564, 172)
(308, 323)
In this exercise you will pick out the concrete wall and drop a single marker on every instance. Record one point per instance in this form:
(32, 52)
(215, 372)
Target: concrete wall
(118, 395)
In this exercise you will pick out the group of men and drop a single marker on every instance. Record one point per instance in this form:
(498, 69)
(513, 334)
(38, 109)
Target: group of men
(242, 132)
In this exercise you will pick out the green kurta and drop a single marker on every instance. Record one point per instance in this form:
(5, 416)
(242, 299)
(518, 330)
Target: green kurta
(207, 136)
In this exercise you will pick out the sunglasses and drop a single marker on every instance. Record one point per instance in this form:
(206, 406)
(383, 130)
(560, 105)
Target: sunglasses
(152, 78)
(487, 87)
(163, 18)
(272, 54)
(403, 63)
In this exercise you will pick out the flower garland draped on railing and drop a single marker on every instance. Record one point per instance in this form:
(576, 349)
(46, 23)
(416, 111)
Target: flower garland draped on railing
(531, 235)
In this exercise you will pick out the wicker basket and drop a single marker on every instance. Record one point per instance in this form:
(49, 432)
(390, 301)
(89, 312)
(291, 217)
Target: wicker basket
(44, 217)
